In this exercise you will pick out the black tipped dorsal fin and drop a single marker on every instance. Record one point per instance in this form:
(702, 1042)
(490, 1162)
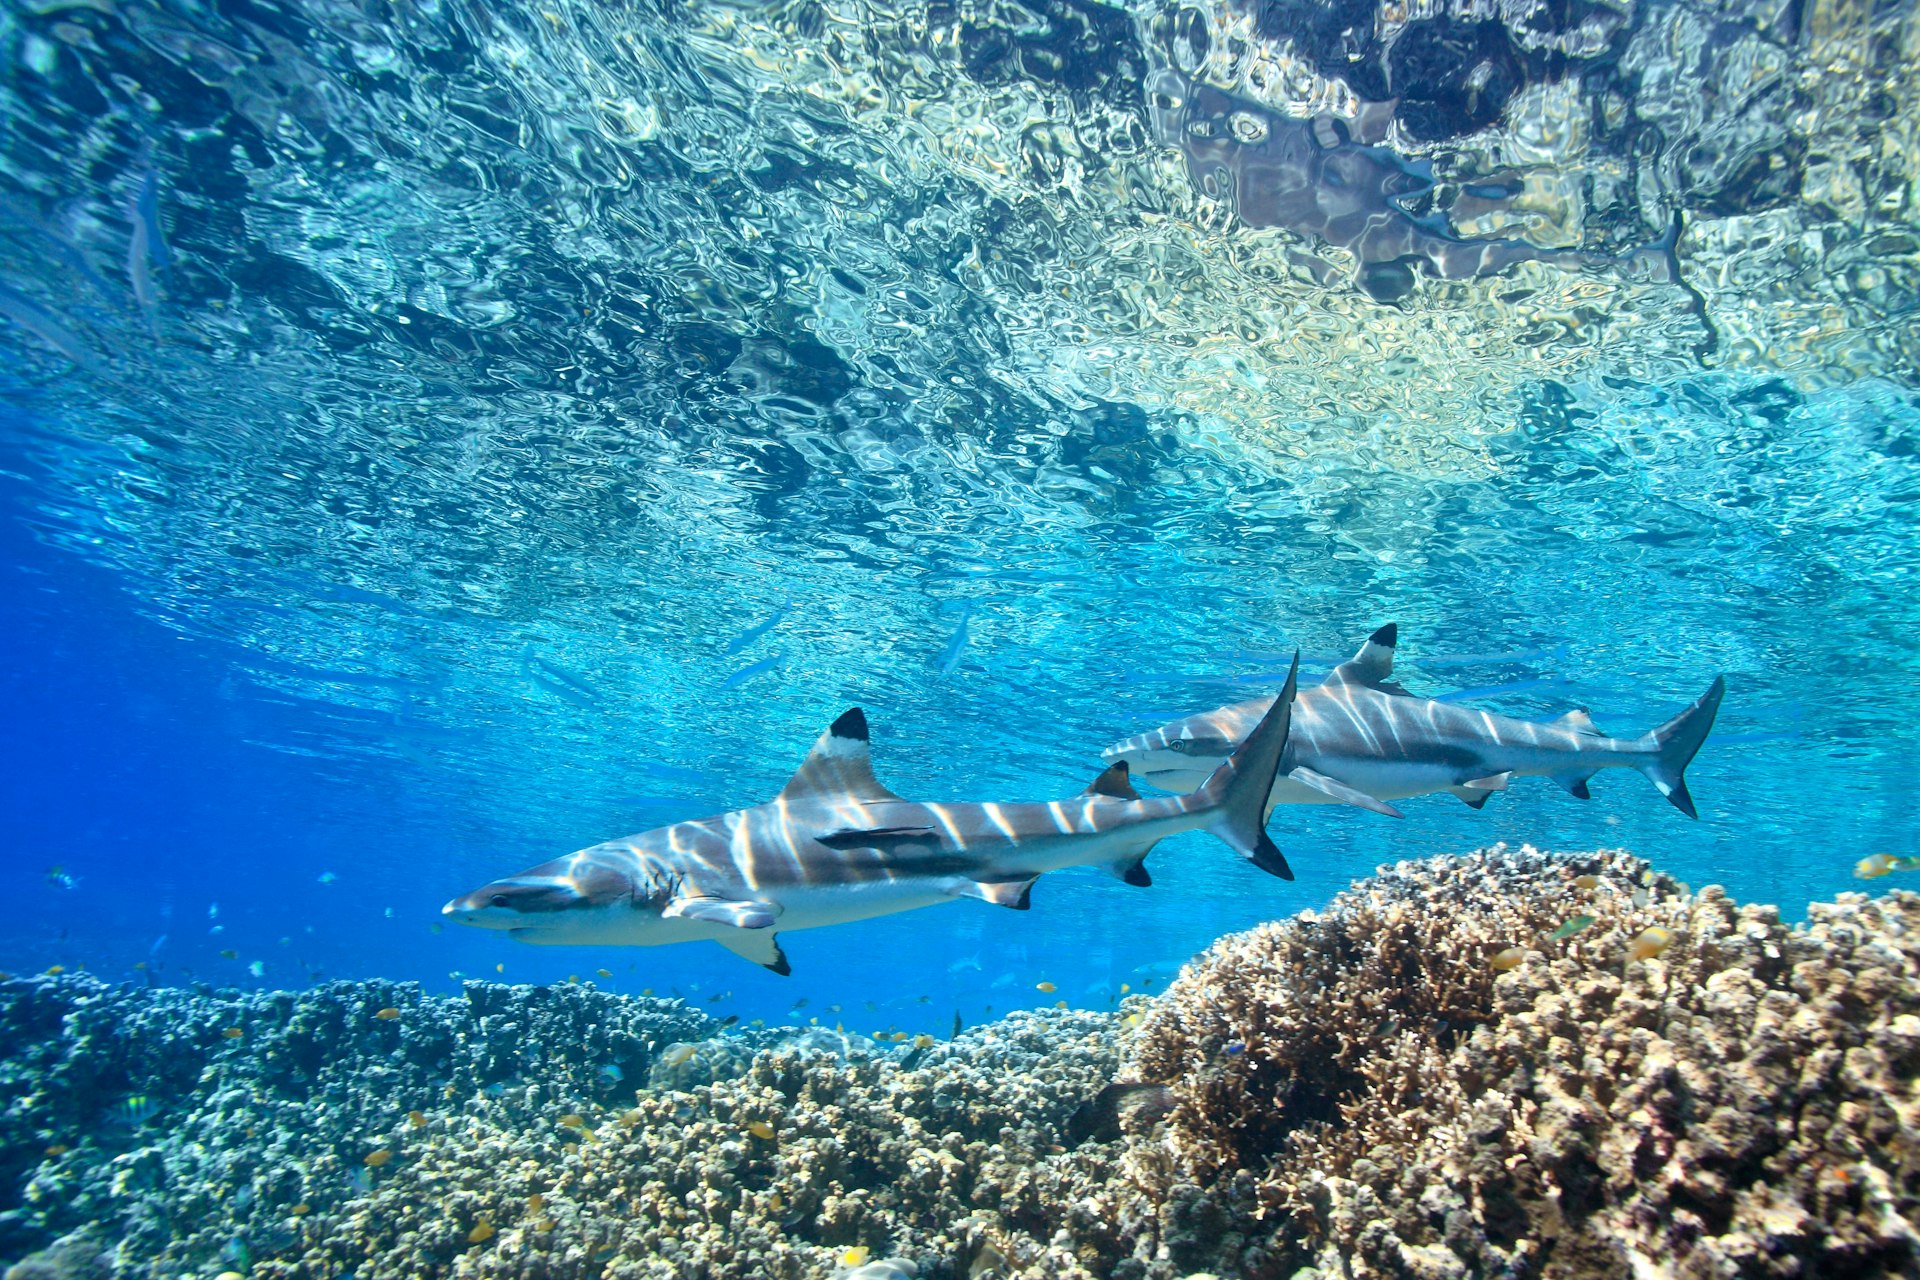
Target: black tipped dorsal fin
(1114, 782)
(838, 767)
(1374, 663)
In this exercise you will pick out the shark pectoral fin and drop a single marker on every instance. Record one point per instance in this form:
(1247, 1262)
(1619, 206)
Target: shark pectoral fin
(759, 946)
(1474, 799)
(1001, 893)
(885, 839)
(1492, 782)
(1132, 870)
(740, 915)
(1334, 789)
(1576, 784)
(1113, 782)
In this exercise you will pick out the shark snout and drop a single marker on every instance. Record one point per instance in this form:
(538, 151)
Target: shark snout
(536, 896)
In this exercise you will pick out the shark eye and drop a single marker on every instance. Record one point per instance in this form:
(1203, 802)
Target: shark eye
(497, 900)
(1180, 746)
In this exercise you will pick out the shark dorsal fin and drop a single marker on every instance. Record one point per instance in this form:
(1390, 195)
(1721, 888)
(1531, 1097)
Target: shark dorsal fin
(1373, 664)
(838, 767)
(1113, 782)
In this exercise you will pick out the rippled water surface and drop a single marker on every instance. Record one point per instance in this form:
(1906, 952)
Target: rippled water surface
(441, 435)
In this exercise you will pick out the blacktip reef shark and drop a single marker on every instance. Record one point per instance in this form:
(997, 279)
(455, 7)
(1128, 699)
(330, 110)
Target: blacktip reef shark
(836, 846)
(1360, 739)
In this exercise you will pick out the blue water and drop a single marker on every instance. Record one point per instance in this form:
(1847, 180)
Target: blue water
(411, 423)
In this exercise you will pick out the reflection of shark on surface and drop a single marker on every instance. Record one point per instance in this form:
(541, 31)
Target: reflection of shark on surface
(836, 846)
(1312, 178)
(1359, 739)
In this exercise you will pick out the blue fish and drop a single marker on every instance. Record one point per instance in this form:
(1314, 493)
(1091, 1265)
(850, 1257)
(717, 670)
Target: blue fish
(759, 668)
(30, 316)
(147, 250)
(759, 629)
(1497, 690)
(956, 643)
(557, 680)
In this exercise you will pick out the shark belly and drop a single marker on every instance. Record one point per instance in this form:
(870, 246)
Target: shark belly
(816, 906)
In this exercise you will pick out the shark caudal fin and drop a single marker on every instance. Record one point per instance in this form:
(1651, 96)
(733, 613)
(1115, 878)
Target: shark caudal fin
(1675, 742)
(1237, 791)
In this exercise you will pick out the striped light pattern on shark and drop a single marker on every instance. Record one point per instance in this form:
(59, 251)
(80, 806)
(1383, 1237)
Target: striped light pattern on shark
(1360, 739)
(836, 846)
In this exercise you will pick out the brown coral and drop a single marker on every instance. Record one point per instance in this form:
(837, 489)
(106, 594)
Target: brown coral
(1743, 1104)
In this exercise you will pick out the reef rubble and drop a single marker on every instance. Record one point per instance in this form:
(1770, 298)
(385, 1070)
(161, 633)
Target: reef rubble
(1504, 1064)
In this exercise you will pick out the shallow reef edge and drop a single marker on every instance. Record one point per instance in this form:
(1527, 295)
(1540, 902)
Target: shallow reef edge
(1504, 1064)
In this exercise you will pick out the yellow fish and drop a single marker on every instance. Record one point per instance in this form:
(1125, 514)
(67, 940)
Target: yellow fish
(855, 1256)
(481, 1233)
(233, 1033)
(387, 1014)
(417, 1119)
(300, 1210)
(1586, 882)
(1047, 987)
(605, 973)
(1649, 943)
(1511, 958)
(760, 1129)
(55, 970)
(377, 1158)
(573, 1121)
(1880, 864)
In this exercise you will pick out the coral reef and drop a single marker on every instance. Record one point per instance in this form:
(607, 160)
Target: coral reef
(1507, 1064)
(1364, 1092)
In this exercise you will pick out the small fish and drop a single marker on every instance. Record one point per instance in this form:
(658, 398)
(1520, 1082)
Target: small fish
(1571, 927)
(57, 1150)
(135, 1110)
(418, 1119)
(1586, 882)
(42, 324)
(387, 1014)
(1876, 865)
(1129, 1105)
(956, 645)
(213, 911)
(676, 1054)
(613, 1073)
(605, 973)
(573, 1121)
(60, 878)
(731, 1019)
(965, 963)
(375, 1159)
(1047, 987)
(481, 1233)
(557, 680)
(234, 1033)
(301, 1210)
(760, 1129)
(1501, 690)
(759, 629)
(753, 670)
(500, 968)
(360, 1181)
(228, 953)
(855, 1256)
(258, 968)
(1649, 943)
(1510, 958)
(327, 877)
(1125, 987)
(1236, 1047)
(536, 1202)
(55, 970)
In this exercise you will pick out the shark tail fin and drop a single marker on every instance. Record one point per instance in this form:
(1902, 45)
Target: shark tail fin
(1675, 743)
(1237, 791)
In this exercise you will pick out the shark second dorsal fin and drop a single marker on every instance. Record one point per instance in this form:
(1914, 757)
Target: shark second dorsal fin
(1113, 782)
(1373, 665)
(1579, 722)
(838, 767)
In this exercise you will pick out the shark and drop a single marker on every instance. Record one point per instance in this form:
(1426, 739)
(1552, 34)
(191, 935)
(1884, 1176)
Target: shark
(1360, 739)
(835, 846)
